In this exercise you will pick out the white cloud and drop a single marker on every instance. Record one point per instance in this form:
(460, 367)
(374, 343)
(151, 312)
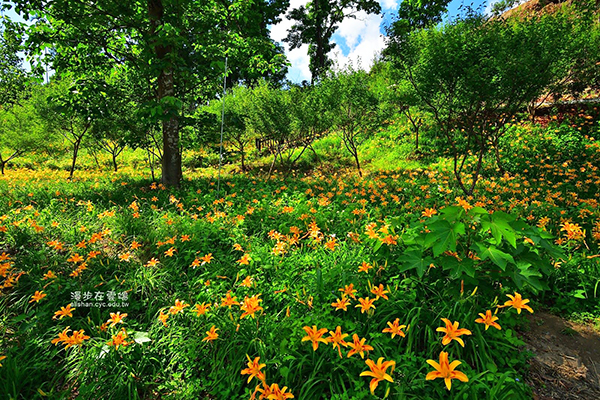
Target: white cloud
(388, 4)
(361, 36)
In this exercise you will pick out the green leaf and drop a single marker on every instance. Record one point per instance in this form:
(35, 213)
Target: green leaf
(498, 257)
(500, 228)
(452, 213)
(414, 260)
(443, 236)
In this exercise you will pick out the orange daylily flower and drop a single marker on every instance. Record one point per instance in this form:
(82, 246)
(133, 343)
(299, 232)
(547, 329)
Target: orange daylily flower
(315, 336)
(364, 267)
(119, 339)
(163, 318)
(395, 328)
(341, 304)
(251, 305)
(365, 304)
(358, 346)
(152, 262)
(452, 332)
(518, 303)
(75, 258)
(379, 292)
(254, 369)
(170, 251)
(211, 334)
(349, 290)
(49, 275)
(64, 312)
(378, 372)
(116, 318)
(337, 338)
(428, 212)
(446, 370)
(178, 307)
(37, 296)
(279, 394)
(247, 282)
(488, 319)
(201, 309)
(229, 301)
(245, 260)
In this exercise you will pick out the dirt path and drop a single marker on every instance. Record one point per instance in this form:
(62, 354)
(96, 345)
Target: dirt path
(566, 361)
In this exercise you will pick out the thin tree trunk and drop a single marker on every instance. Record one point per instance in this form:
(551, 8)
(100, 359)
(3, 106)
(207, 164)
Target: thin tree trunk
(150, 164)
(171, 158)
(75, 151)
(95, 158)
(114, 159)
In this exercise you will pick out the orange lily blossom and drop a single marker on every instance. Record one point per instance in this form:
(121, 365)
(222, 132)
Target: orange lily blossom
(337, 339)
(201, 309)
(163, 318)
(452, 332)
(178, 307)
(64, 312)
(62, 337)
(349, 290)
(488, 319)
(279, 394)
(229, 301)
(341, 304)
(251, 305)
(116, 318)
(395, 328)
(77, 338)
(364, 267)
(37, 296)
(315, 336)
(518, 303)
(211, 334)
(446, 370)
(378, 372)
(365, 304)
(358, 346)
(254, 369)
(379, 291)
(119, 339)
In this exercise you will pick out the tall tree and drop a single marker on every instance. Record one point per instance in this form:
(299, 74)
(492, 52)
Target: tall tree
(413, 15)
(176, 47)
(317, 22)
(13, 77)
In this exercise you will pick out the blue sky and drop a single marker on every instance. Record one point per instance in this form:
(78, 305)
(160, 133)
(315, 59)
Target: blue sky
(358, 40)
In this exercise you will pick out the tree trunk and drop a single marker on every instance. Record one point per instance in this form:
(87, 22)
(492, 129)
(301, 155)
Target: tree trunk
(2, 166)
(319, 61)
(150, 164)
(357, 163)
(75, 151)
(114, 158)
(171, 160)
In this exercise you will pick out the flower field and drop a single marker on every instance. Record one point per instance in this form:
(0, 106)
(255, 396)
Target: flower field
(319, 286)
